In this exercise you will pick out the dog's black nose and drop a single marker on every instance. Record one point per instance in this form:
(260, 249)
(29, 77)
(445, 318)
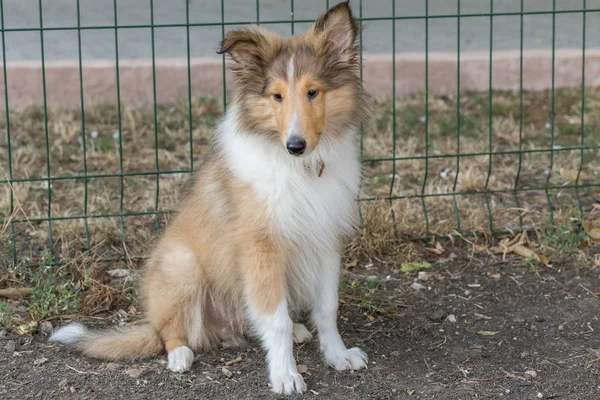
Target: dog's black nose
(296, 145)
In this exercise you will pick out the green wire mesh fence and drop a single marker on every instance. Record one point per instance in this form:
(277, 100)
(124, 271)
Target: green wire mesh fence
(460, 134)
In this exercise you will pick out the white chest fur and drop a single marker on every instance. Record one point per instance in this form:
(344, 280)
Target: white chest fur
(313, 213)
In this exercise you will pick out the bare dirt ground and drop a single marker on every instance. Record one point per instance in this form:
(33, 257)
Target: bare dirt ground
(480, 328)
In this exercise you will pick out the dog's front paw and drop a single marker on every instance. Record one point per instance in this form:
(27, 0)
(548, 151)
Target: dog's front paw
(287, 382)
(353, 358)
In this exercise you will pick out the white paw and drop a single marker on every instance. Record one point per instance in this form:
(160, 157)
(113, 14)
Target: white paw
(301, 334)
(287, 382)
(180, 359)
(353, 358)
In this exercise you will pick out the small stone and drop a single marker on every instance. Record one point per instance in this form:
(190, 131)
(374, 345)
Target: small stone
(417, 286)
(2, 333)
(226, 372)
(302, 368)
(40, 361)
(10, 346)
(122, 324)
(540, 395)
(161, 384)
(531, 373)
(438, 315)
(63, 385)
(136, 373)
(46, 327)
(451, 318)
(423, 276)
(73, 390)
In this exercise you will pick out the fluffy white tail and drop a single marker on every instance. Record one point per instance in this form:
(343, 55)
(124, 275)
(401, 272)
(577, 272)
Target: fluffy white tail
(114, 344)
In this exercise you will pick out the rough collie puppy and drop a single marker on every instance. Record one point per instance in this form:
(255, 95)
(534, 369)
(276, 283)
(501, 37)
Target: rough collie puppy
(258, 237)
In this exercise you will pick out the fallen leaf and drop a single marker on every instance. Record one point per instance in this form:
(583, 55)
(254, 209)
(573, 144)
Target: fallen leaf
(495, 276)
(481, 316)
(15, 293)
(437, 251)
(119, 273)
(302, 368)
(352, 264)
(234, 361)
(525, 252)
(595, 235)
(27, 328)
(480, 249)
(411, 267)
(487, 333)
(543, 257)
(73, 390)
(226, 372)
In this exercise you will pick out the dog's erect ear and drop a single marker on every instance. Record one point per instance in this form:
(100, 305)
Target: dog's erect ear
(247, 47)
(338, 29)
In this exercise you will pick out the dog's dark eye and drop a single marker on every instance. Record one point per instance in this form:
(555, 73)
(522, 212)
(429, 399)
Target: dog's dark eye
(277, 97)
(312, 93)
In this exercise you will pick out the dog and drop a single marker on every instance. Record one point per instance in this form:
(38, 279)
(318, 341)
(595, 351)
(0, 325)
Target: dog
(258, 237)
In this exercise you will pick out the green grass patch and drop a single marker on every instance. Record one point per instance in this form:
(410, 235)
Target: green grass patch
(412, 267)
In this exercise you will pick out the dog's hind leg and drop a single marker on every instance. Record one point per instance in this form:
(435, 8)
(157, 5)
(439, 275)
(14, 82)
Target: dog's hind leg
(173, 307)
(301, 334)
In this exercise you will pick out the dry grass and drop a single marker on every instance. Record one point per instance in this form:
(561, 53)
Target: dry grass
(385, 221)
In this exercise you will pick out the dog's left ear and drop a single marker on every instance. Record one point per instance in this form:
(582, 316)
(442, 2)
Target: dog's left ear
(338, 30)
(245, 46)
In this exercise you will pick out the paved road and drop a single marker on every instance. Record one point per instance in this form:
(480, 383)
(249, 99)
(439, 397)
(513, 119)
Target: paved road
(171, 42)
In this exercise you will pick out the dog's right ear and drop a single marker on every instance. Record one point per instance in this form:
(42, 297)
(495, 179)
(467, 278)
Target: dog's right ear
(248, 48)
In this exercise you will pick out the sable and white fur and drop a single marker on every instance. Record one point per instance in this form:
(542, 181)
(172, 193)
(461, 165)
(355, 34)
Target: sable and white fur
(258, 236)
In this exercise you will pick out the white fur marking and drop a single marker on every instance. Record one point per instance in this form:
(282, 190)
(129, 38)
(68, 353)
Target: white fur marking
(68, 334)
(180, 359)
(276, 332)
(311, 212)
(290, 70)
(293, 128)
